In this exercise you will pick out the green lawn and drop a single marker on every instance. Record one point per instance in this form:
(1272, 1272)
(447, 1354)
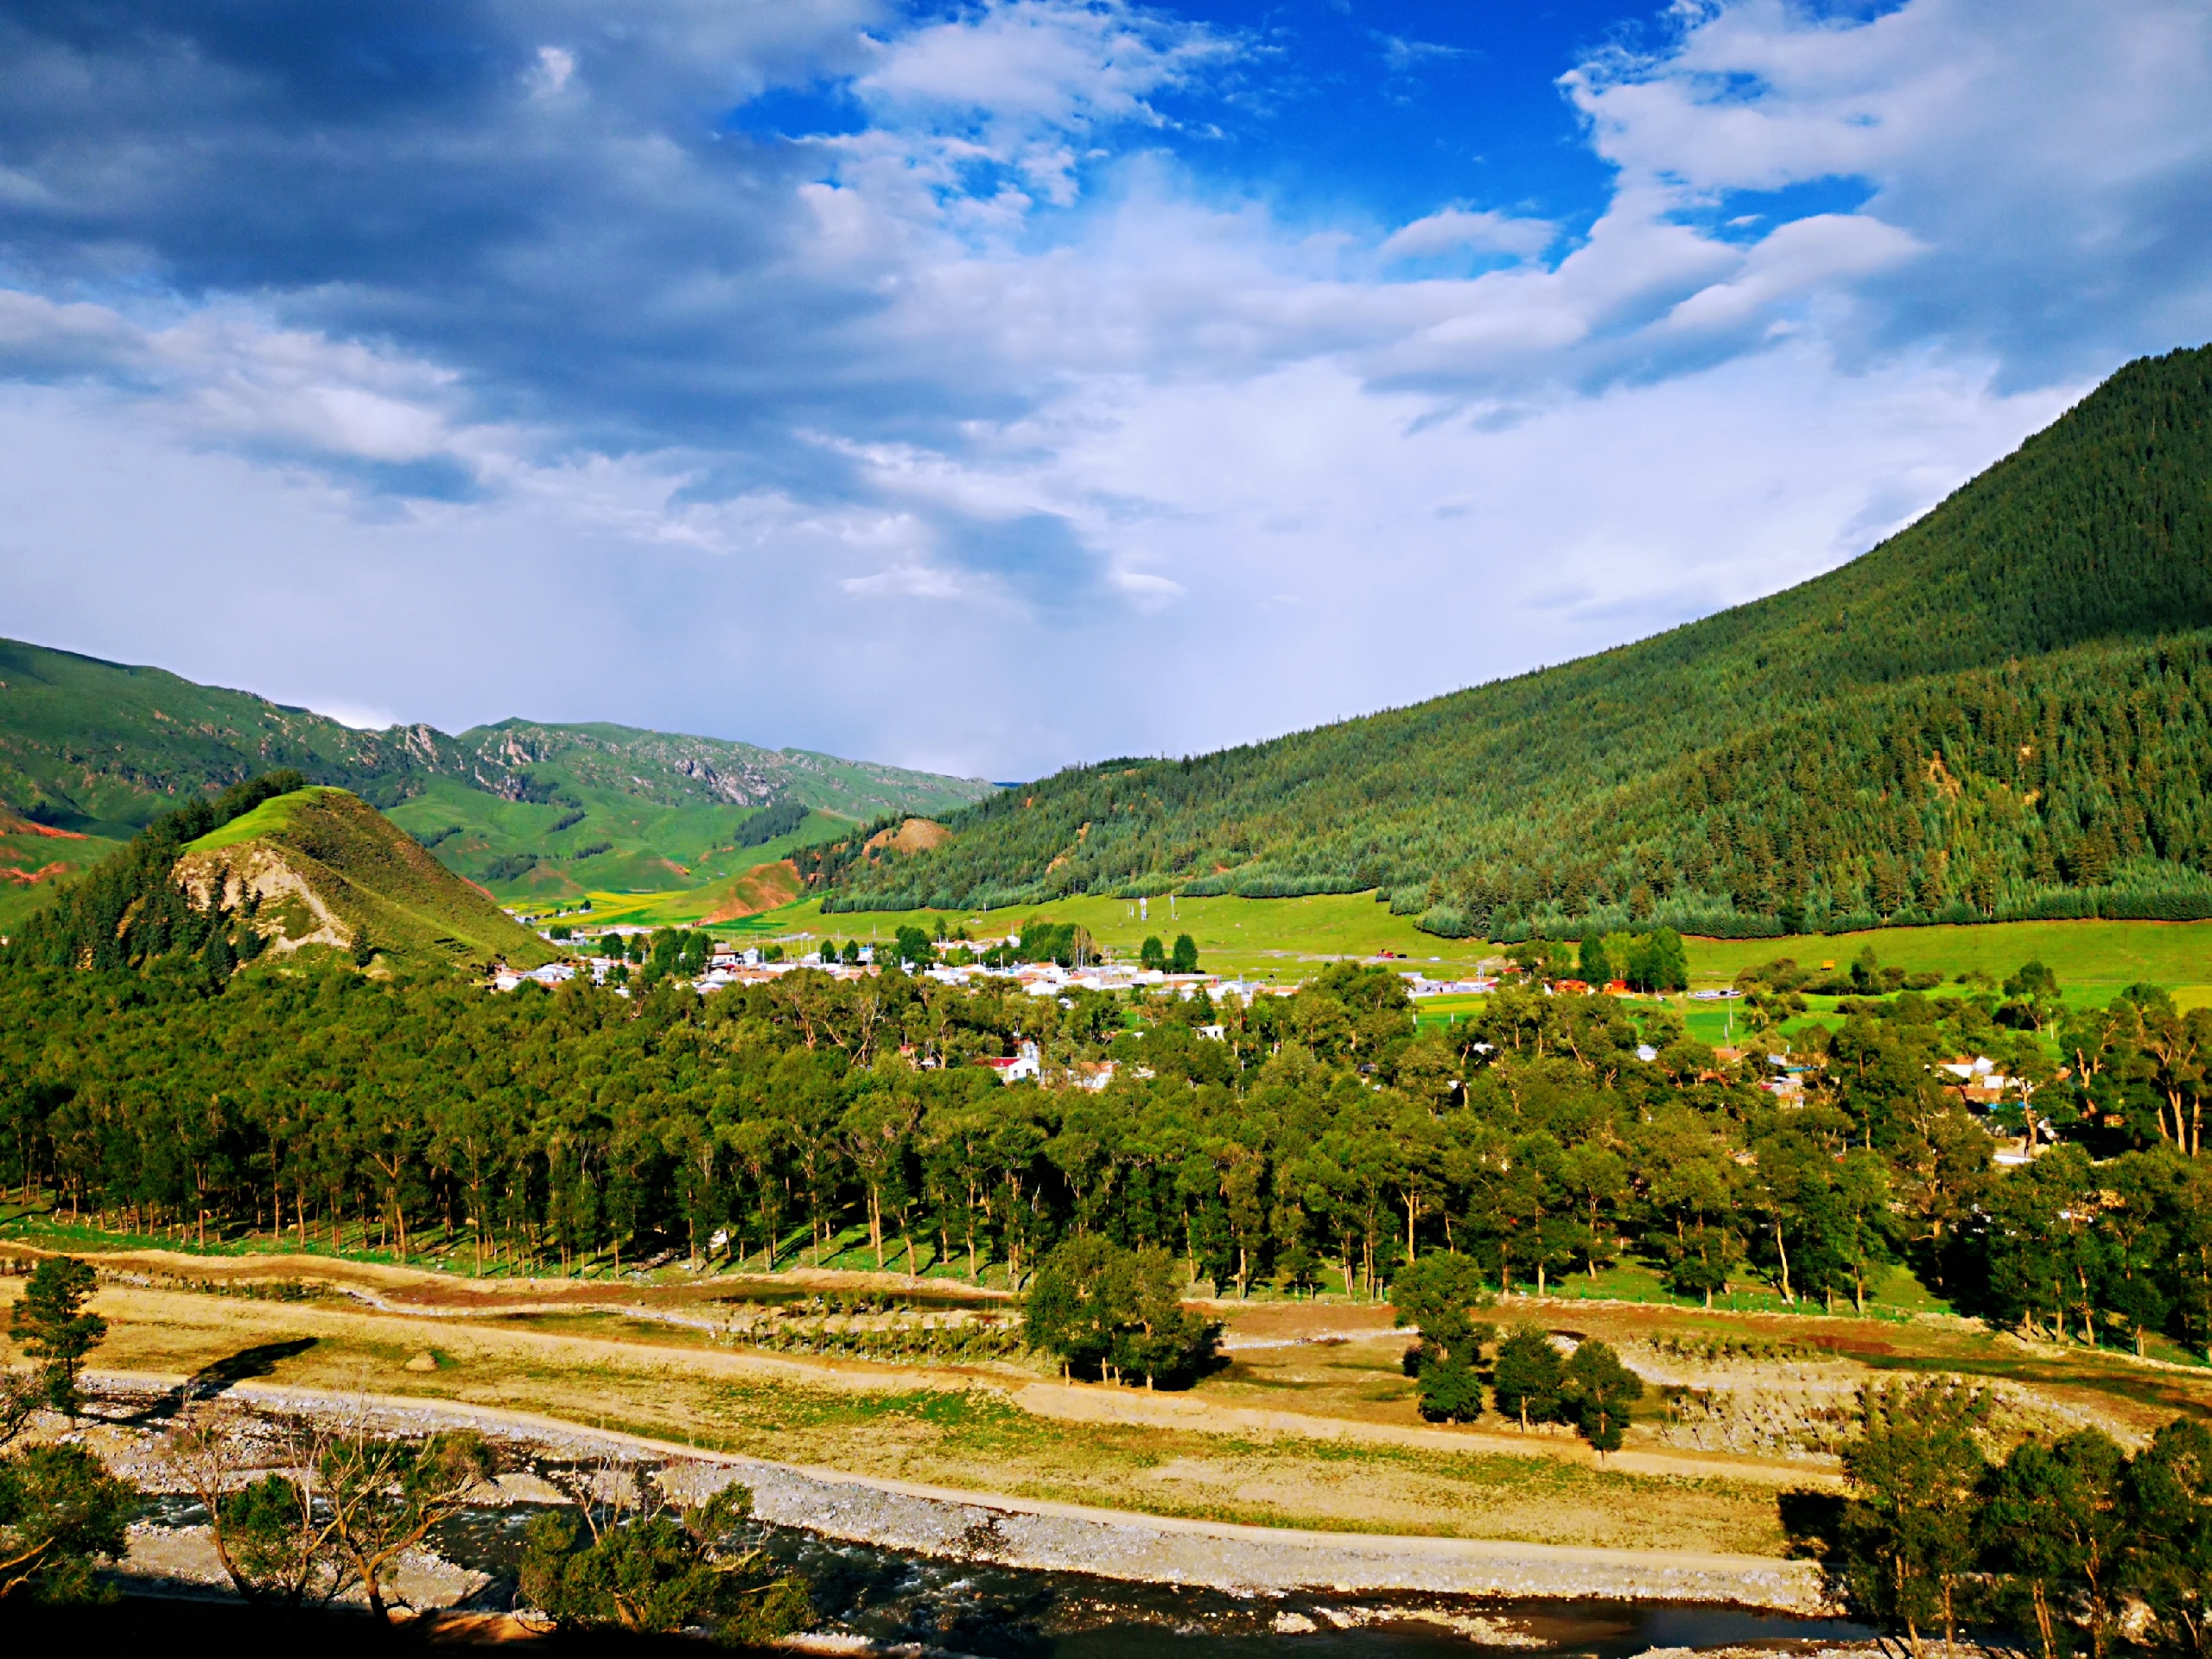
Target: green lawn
(1441, 1012)
(1289, 939)
(2093, 960)
(1285, 939)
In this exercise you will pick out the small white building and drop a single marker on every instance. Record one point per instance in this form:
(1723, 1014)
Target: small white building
(1015, 1067)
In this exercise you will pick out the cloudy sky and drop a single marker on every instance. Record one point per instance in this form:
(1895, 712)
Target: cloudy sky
(991, 386)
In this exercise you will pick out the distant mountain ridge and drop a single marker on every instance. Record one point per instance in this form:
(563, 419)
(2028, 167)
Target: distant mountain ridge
(99, 749)
(2005, 709)
(89, 744)
(680, 768)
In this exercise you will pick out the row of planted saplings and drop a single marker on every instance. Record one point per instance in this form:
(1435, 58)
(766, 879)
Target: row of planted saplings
(881, 1331)
(1717, 1350)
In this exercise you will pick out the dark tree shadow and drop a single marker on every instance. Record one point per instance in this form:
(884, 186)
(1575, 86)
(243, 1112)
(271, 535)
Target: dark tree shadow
(211, 1379)
(1812, 1522)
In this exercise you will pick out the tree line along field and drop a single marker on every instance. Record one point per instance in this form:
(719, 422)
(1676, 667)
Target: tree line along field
(1283, 938)
(1290, 940)
(1323, 1141)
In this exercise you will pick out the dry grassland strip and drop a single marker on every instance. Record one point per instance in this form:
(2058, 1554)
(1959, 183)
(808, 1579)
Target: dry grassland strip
(1311, 1425)
(939, 1428)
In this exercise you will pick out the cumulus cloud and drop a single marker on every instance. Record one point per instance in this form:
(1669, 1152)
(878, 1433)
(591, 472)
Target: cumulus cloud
(1401, 55)
(522, 303)
(2051, 158)
(1485, 232)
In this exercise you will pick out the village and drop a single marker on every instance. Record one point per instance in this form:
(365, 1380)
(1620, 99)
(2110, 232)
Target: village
(1980, 1083)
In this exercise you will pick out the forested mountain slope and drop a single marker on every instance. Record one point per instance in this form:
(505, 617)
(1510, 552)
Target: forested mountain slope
(2004, 709)
(98, 750)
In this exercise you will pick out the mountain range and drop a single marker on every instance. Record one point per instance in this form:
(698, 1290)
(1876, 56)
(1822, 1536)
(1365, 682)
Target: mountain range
(2004, 710)
(91, 752)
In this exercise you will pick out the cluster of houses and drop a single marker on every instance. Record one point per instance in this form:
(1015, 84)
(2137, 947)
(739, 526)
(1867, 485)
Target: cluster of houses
(1978, 1080)
(729, 963)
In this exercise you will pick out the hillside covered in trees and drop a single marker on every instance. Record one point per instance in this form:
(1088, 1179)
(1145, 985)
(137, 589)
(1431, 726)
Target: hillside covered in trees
(2005, 710)
(272, 865)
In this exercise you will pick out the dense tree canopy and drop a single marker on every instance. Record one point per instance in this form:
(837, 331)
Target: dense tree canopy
(1319, 1137)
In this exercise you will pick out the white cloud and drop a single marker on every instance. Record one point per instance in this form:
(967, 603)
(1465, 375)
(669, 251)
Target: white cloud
(910, 581)
(1048, 63)
(359, 716)
(1799, 257)
(1019, 81)
(1455, 228)
(993, 382)
(554, 68)
(2051, 157)
(1400, 56)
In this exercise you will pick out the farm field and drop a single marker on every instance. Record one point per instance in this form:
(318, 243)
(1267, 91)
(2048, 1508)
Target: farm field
(1290, 940)
(1285, 938)
(2094, 960)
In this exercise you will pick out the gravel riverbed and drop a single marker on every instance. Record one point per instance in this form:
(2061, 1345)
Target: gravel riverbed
(1017, 1533)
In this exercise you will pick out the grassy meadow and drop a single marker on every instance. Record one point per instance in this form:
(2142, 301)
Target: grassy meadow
(1286, 939)
(35, 861)
(1290, 940)
(2094, 960)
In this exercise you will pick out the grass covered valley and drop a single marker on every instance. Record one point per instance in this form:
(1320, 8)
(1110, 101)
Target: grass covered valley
(1876, 1210)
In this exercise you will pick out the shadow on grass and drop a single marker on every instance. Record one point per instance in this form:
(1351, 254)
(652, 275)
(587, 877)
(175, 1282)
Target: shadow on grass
(219, 1375)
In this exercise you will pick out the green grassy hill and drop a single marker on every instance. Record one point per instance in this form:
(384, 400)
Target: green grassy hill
(35, 858)
(319, 866)
(95, 750)
(2004, 710)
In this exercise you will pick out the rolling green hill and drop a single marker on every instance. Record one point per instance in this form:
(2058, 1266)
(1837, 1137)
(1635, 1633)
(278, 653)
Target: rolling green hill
(585, 809)
(2006, 710)
(273, 865)
(319, 866)
(95, 750)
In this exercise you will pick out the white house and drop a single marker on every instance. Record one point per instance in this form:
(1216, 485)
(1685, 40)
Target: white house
(1013, 1068)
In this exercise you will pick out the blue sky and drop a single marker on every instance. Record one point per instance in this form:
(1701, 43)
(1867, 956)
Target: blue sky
(991, 386)
(1342, 111)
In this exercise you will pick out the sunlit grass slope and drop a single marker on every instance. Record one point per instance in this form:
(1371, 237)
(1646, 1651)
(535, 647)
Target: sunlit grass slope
(1292, 938)
(373, 876)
